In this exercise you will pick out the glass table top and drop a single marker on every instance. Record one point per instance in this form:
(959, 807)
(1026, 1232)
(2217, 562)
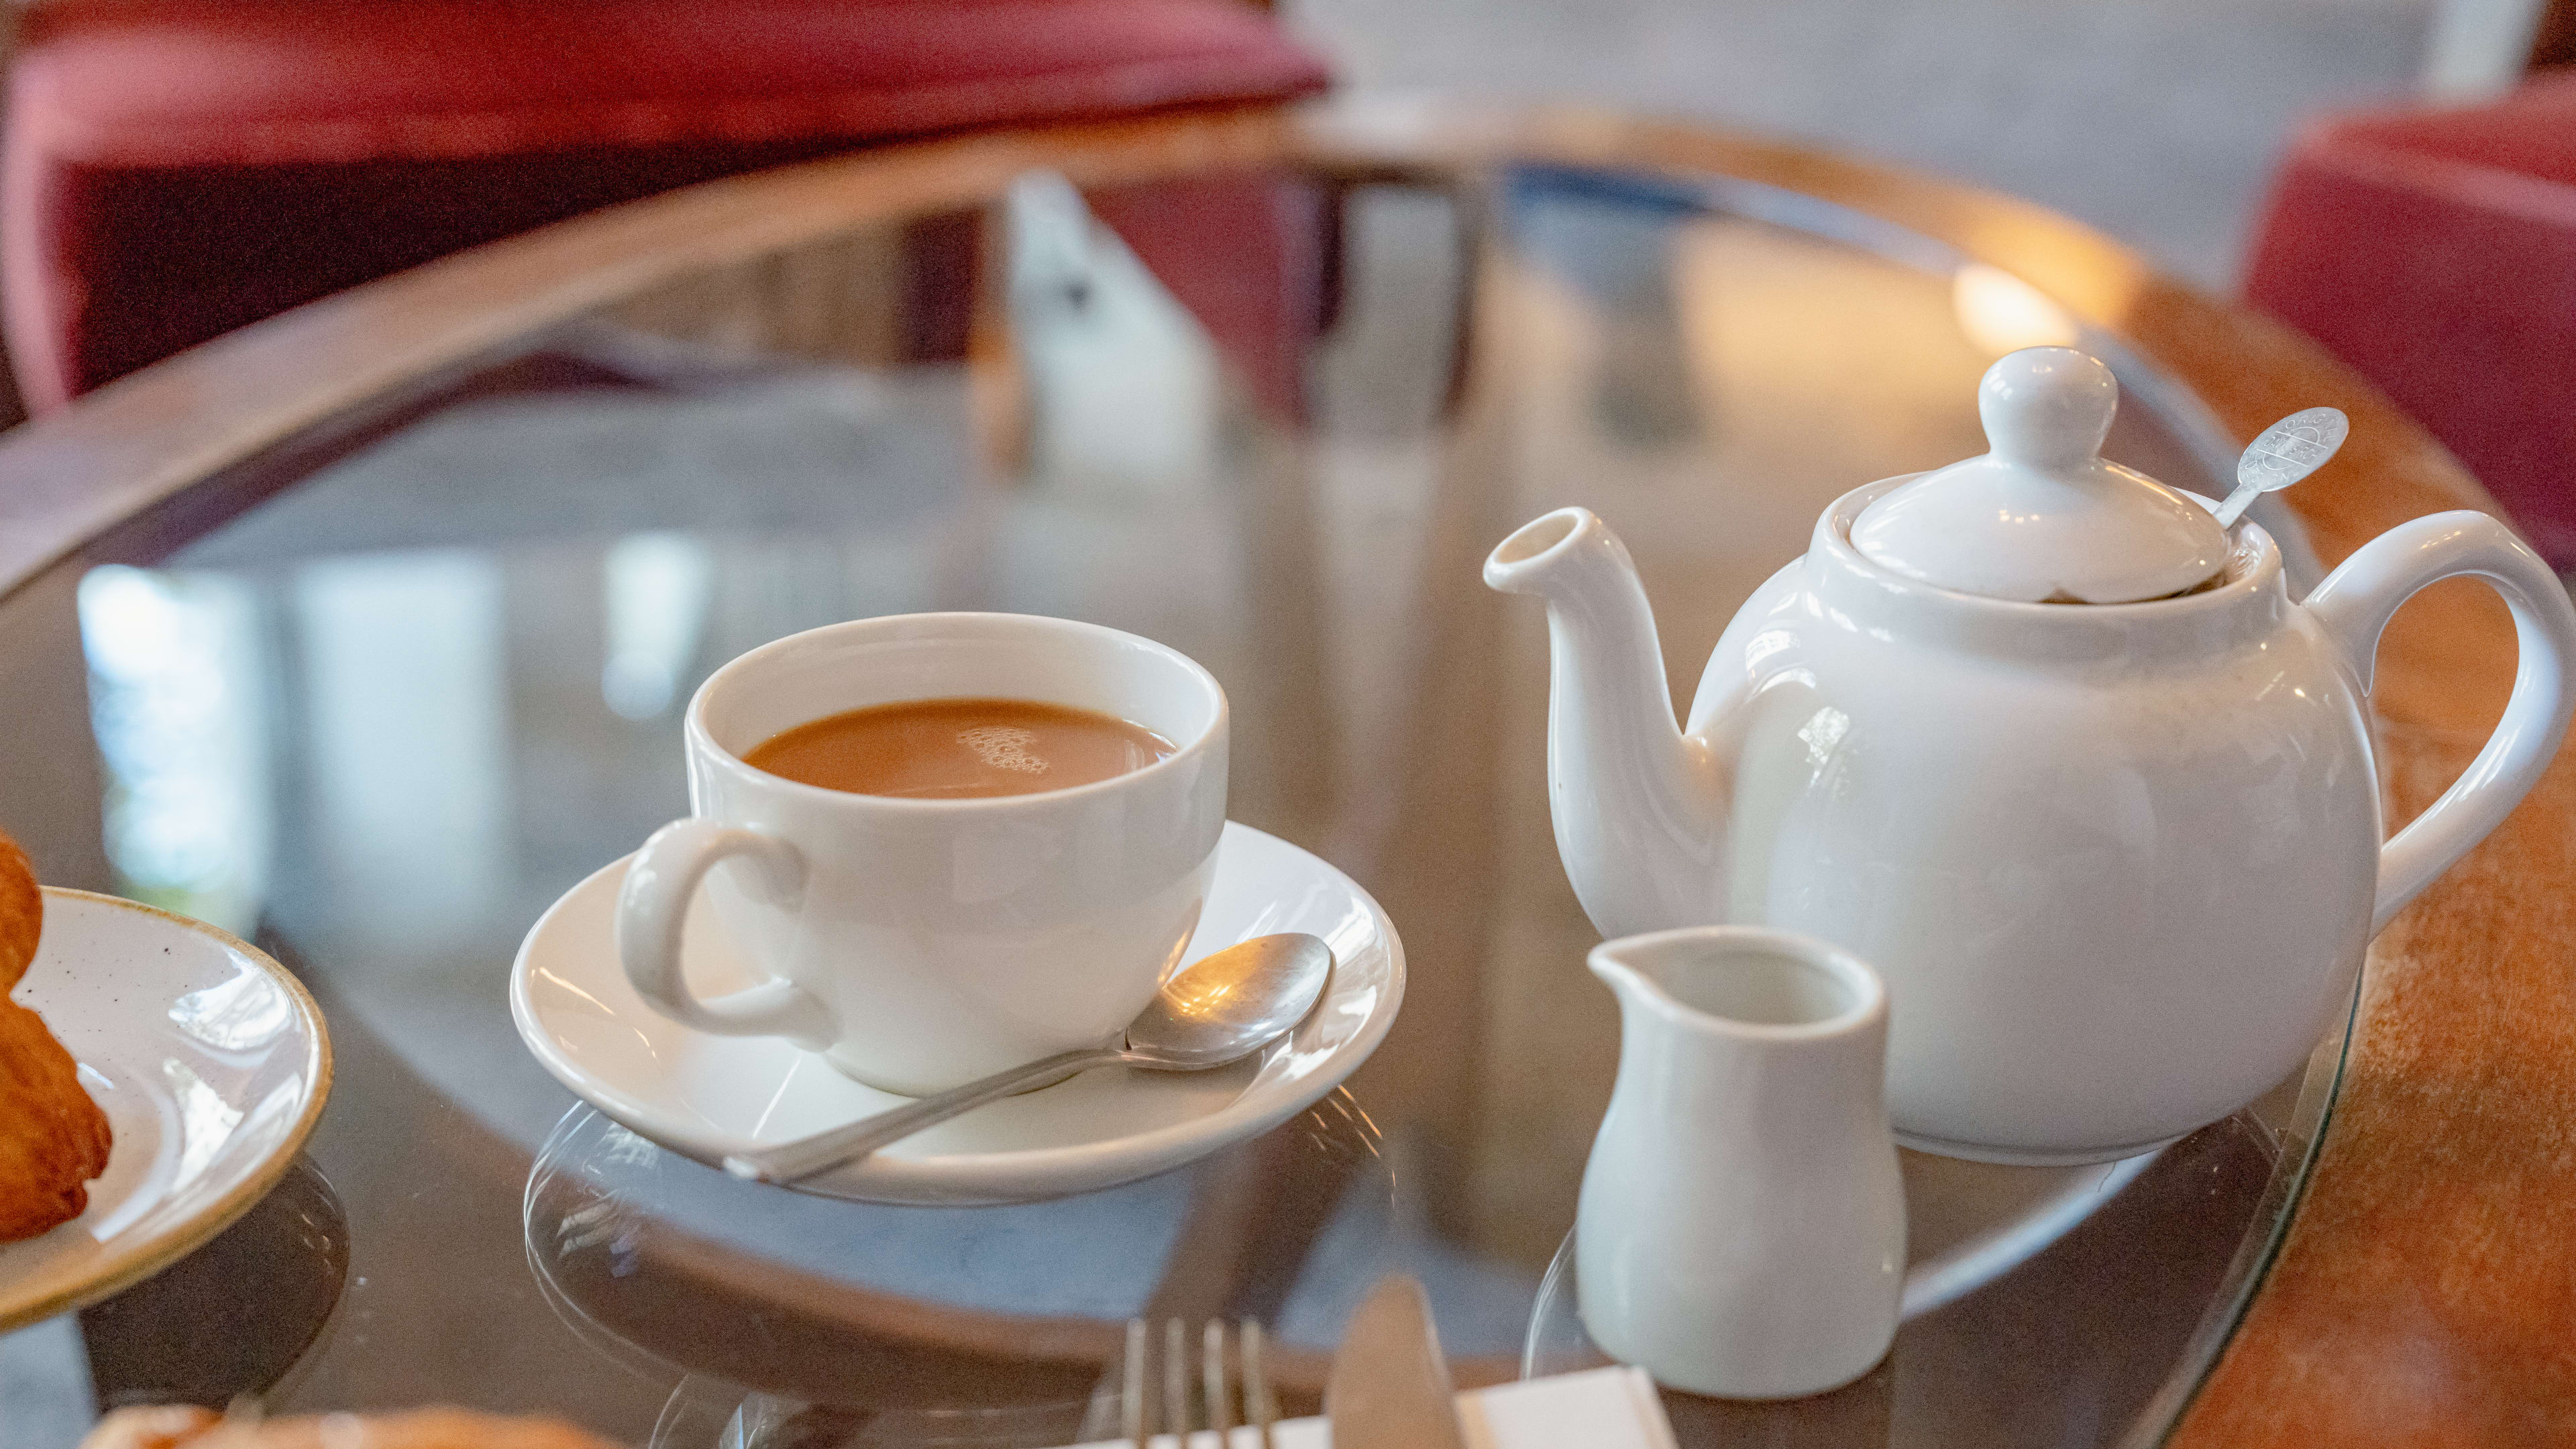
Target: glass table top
(379, 718)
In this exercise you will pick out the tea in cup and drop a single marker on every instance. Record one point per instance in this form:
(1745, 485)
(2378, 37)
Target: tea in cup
(955, 842)
(957, 749)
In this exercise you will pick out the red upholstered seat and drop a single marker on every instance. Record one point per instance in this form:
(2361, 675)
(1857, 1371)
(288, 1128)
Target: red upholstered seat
(2435, 251)
(177, 168)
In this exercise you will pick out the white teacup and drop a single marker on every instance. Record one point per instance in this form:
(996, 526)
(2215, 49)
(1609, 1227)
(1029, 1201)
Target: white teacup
(919, 944)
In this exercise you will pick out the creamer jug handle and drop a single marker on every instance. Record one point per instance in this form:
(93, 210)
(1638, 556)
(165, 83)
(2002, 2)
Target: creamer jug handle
(2355, 603)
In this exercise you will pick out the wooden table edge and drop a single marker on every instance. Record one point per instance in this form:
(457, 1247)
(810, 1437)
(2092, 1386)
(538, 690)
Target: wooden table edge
(2351, 1285)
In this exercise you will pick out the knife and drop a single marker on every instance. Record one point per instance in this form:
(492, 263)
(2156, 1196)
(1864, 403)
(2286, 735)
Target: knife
(1390, 1386)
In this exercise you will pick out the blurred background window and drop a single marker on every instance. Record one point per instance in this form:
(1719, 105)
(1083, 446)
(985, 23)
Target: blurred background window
(179, 168)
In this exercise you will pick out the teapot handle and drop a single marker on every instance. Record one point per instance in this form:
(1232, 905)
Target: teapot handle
(2355, 603)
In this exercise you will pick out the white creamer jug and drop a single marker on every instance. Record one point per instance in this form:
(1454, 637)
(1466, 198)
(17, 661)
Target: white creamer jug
(1742, 1229)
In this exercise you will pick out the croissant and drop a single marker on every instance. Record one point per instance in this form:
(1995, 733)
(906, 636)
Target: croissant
(53, 1138)
(181, 1427)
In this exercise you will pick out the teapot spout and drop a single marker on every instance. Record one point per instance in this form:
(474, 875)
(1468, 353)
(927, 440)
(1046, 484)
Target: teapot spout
(1638, 806)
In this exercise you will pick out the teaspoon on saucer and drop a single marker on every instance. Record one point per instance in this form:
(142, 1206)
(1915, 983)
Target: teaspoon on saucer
(1219, 1009)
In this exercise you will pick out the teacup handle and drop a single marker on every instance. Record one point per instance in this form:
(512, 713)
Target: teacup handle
(2355, 603)
(653, 905)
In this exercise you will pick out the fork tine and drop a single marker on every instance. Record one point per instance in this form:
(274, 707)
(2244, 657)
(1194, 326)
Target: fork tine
(1258, 1409)
(1176, 1378)
(1212, 1373)
(1133, 1419)
(1141, 1380)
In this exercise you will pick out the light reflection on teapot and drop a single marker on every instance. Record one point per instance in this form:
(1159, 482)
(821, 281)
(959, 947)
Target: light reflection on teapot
(2117, 862)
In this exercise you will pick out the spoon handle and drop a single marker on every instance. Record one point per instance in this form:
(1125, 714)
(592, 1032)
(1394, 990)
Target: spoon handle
(803, 1158)
(2237, 502)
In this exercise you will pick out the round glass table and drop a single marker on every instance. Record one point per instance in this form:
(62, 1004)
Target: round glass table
(365, 633)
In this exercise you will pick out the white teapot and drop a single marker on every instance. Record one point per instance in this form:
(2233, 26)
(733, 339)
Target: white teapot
(2050, 747)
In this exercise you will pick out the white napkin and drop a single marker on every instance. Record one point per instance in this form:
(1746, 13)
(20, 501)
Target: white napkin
(1605, 1408)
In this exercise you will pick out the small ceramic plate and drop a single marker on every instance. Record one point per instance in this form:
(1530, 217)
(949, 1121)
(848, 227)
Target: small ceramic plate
(212, 1065)
(705, 1096)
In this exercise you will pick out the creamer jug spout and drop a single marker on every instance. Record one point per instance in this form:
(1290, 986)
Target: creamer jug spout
(1637, 804)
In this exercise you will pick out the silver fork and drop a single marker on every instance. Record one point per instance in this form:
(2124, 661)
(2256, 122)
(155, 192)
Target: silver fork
(1156, 1389)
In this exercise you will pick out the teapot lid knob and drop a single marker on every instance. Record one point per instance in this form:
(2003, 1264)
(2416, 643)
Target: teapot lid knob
(2047, 407)
(2040, 517)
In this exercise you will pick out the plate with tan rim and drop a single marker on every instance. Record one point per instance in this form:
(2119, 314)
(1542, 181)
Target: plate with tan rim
(212, 1063)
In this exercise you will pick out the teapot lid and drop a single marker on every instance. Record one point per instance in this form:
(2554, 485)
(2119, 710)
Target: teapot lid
(2041, 518)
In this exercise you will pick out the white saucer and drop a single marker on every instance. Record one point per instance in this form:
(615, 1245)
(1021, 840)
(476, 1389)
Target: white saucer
(705, 1096)
(212, 1065)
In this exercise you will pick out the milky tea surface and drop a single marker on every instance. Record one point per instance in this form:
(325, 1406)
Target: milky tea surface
(947, 749)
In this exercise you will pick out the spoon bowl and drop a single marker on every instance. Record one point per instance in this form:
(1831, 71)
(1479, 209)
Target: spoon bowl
(2286, 452)
(1222, 1007)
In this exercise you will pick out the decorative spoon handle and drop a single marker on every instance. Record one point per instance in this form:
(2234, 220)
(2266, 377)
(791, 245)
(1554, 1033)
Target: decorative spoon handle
(803, 1158)
(2288, 451)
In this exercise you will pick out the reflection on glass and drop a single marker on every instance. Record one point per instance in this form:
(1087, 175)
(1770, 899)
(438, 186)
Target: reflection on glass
(230, 1322)
(657, 587)
(666, 1267)
(1122, 380)
(2002, 313)
(406, 714)
(175, 663)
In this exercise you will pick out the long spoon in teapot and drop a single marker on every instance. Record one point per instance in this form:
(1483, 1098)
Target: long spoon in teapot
(1219, 1009)
(2288, 451)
